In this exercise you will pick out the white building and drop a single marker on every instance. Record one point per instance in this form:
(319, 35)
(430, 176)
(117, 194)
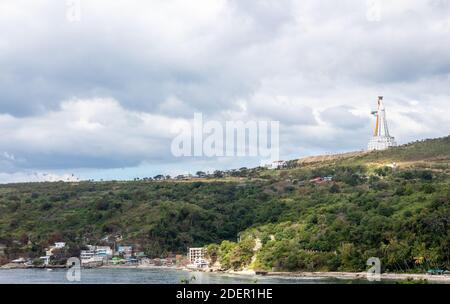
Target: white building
(381, 139)
(126, 251)
(87, 254)
(104, 251)
(59, 245)
(49, 251)
(278, 164)
(45, 259)
(195, 254)
(196, 257)
(96, 253)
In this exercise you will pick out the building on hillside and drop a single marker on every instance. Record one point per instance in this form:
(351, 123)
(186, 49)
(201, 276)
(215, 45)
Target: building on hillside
(126, 251)
(279, 164)
(59, 245)
(381, 139)
(19, 261)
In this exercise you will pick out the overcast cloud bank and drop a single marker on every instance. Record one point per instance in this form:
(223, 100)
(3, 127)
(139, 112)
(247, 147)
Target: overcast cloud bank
(101, 94)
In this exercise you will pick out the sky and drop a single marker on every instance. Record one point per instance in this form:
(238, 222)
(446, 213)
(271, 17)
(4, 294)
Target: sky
(92, 89)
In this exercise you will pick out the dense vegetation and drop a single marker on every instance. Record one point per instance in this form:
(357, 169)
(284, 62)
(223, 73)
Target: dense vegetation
(400, 215)
(160, 217)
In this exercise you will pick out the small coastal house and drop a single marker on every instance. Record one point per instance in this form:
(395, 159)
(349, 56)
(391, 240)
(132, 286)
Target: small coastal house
(57, 245)
(19, 261)
(199, 264)
(103, 251)
(96, 254)
(126, 251)
(45, 259)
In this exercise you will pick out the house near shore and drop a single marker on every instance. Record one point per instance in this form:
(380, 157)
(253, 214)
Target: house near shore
(49, 252)
(126, 251)
(102, 251)
(45, 259)
(196, 257)
(19, 261)
(86, 254)
(96, 254)
(196, 253)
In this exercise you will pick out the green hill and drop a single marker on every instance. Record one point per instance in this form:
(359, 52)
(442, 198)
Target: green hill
(400, 214)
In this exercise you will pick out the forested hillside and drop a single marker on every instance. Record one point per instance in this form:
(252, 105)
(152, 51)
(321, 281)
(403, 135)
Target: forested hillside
(367, 207)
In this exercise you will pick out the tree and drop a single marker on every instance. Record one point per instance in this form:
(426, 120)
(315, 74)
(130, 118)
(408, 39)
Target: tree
(200, 174)
(218, 174)
(335, 188)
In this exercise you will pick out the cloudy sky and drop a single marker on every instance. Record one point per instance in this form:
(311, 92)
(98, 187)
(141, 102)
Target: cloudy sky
(96, 94)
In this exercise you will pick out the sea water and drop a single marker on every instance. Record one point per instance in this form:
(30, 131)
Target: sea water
(150, 276)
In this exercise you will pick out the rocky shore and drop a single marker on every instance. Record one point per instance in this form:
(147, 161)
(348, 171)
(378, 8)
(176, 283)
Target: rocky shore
(249, 272)
(337, 275)
(23, 266)
(357, 275)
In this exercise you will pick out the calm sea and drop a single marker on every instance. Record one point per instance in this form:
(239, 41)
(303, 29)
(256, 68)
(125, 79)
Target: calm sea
(148, 276)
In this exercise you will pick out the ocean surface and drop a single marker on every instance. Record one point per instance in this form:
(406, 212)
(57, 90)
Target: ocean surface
(148, 276)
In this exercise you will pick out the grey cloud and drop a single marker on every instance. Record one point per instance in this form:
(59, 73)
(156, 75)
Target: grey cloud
(341, 117)
(167, 59)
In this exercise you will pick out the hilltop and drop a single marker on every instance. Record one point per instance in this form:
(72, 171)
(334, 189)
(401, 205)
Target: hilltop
(369, 207)
(435, 151)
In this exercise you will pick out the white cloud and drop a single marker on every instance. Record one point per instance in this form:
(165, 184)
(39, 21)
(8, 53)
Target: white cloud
(316, 66)
(89, 129)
